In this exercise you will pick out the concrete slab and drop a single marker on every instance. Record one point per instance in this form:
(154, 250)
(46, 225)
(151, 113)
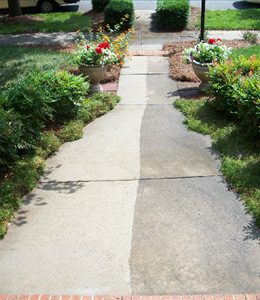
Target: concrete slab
(109, 149)
(169, 149)
(70, 238)
(192, 236)
(135, 65)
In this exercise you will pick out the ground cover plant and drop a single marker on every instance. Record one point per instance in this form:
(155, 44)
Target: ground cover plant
(240, 155)
(172, 14)
(49, 22)
(233, 19)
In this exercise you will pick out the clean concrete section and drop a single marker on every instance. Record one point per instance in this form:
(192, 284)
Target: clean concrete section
(70, 238)
(135, 207)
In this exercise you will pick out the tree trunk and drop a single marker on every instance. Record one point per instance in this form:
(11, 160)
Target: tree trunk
(14, 8)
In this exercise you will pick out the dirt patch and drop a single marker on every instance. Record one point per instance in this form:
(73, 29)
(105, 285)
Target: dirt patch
(182, 72)
(27, 20)
(63, 48)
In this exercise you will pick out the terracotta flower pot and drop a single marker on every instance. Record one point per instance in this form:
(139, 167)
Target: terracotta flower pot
(202, 72)
(95, 74)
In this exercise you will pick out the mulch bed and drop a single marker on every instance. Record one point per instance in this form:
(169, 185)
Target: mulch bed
(27, 20)
(183, 73)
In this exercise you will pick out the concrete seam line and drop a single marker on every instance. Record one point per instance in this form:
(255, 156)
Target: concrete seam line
(133, 179)
(152, 73)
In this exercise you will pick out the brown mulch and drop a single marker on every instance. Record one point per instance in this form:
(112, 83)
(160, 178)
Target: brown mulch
(182, 72)
(20, 20)
(194, 16)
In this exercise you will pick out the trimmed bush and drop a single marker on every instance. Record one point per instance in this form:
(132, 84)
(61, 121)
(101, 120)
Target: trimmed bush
(236, 90)
(41, 98)
(99, 5)
(172, 14)
(117, 10)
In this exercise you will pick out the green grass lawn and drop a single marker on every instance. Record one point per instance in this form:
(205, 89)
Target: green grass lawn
(52, 22)
(247, 52)
(240, 19)
(16, 61)
(240, 156)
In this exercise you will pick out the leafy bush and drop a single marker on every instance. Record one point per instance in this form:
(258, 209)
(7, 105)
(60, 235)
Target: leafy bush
(117, 10)
(235, 87)
(99, 5)
(10, 133)
(71, 131)
(251, 37)
(43, 97)
(172, 14)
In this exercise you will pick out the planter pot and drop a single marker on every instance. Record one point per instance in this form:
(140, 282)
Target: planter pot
(95, 74)
(202, 72)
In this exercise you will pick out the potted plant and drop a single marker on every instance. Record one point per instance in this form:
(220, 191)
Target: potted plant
(93, 59)
(203, 55)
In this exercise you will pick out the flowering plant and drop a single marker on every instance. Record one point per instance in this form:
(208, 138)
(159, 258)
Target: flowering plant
(207, 52)
(95, 54)
(106, 46)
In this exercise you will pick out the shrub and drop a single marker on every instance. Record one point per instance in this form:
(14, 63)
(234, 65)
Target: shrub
(235, 87)
(251, 37)
(71, 131)
(43, 97)
(172, 14)
(10, 132)
(117, 10)
(99, 5)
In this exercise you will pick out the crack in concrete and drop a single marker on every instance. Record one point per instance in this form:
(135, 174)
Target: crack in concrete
(133, 179)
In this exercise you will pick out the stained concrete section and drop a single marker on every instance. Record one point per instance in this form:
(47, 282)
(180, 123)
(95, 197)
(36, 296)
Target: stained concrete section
(168, 149)
(192, 236)
(70, 238)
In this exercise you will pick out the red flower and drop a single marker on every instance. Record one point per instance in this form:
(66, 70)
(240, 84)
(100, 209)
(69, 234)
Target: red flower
(219, 40)
(99, 50)
(211, 41)
(104, 45)
(87, 47)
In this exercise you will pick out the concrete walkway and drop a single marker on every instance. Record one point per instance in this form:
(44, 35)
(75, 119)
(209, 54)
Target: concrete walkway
(137, 206)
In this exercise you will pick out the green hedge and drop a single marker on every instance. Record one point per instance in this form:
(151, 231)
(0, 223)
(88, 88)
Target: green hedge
(172, 14)
(117, 10)
(236, 90)
(99, 5)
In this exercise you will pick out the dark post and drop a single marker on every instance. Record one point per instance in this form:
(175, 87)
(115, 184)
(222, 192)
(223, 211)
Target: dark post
(202, 20)
(14, 8)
